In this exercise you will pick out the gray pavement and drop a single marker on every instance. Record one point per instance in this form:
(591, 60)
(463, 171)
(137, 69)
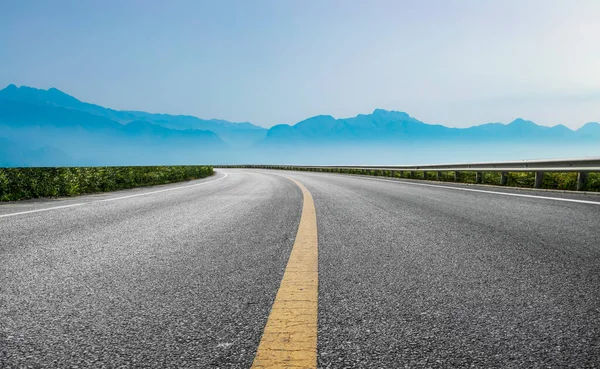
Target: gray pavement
(410, 275)
(175, 279)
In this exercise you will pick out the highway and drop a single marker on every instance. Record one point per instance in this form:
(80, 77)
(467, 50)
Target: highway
(410, 274)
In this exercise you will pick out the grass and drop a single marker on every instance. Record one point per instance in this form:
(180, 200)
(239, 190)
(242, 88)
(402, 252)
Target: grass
(555, 181)
(29, 183)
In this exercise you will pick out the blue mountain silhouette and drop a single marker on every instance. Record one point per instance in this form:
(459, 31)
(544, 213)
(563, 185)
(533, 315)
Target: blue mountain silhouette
(396, 127)
(33, 119)
(50, 127)
(11, 153)
(238, 134)
(392, 137)
(590, 130)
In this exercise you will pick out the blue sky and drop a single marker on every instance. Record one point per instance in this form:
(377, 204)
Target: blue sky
(452, 62)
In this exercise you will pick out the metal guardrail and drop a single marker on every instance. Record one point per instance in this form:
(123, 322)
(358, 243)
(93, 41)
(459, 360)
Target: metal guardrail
(582, 166)
(559, 165)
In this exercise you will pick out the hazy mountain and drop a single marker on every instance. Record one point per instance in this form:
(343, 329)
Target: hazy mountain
(518, 129)
(13, 155)
(237, 134)
(35, 121)
(96, 140)
(392, 137)
(56, 98)
(590, 130)
(396, 127)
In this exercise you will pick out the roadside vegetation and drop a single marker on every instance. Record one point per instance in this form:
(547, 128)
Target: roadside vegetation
(28, 183)
(554, 181)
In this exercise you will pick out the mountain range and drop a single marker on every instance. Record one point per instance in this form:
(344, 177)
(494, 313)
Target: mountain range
(394, 126)
(49, 127)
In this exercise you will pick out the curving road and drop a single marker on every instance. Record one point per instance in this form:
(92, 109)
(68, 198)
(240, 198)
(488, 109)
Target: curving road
(411, 274)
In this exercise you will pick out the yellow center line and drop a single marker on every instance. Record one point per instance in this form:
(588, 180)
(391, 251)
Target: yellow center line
(290, 336)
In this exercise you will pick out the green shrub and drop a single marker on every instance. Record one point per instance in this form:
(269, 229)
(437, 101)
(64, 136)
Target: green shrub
(594, 182)
(558, 181)
(28, 183)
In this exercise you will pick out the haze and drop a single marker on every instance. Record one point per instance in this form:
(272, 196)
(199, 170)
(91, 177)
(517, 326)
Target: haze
(451, 62)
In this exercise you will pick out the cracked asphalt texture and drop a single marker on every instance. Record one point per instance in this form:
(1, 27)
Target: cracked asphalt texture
(409, 276)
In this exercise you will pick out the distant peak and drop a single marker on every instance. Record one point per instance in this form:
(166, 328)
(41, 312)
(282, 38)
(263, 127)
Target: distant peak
(561, 127)
(13, 87)
(319, 117)
(56, 91)
(51, 96)
(590, 127)
(383, 112)
(317, 120)
(521, 121)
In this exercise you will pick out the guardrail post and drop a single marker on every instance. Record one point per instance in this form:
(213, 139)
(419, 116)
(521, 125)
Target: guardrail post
(478, 177)
(412, 174)
(504, 179)
(539, 177)
(457, 176)
(582, 178)
(439, 176)
(424, 175)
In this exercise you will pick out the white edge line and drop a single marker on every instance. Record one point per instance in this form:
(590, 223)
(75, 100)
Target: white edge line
(40, 210)
(474, 190)
(485, 191)
(111, 199)
(159, 191)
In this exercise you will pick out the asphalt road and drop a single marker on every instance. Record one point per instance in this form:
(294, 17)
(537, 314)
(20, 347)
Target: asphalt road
(184, 275)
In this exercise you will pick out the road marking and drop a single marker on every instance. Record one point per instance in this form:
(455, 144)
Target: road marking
(484, 191)
(290, 336)
(111, 199)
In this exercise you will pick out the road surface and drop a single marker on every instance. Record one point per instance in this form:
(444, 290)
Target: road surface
(409, 275)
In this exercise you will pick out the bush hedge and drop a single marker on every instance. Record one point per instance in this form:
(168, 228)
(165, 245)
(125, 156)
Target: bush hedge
(556, 181)
(28, 183)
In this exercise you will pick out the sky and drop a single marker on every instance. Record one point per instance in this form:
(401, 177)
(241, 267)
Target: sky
(452, 62)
